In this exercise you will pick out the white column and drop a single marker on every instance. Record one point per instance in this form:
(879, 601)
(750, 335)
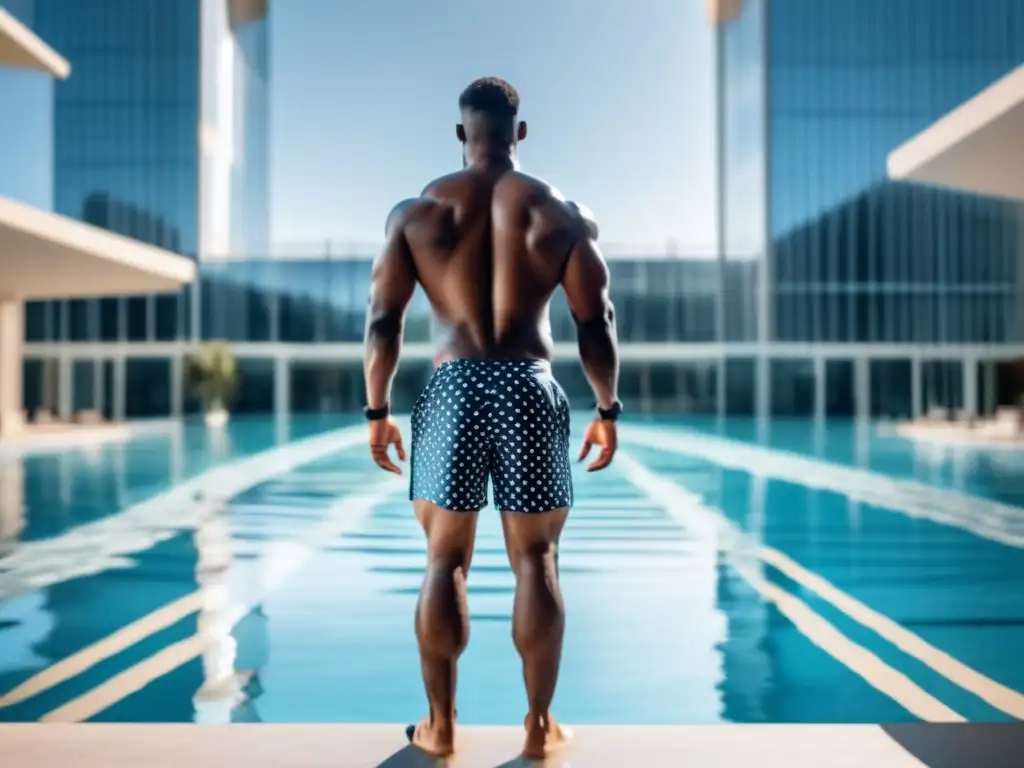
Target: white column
(119, 387)
(969, 372)
(916, 408)
(762, 385)
(819, 389)
(12, 323)
(65, 386)
(862, 389)
(282, 385)
(177, 386)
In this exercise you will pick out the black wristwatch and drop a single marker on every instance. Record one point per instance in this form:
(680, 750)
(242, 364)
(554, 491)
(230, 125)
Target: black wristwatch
(612, 414)
(376, 414)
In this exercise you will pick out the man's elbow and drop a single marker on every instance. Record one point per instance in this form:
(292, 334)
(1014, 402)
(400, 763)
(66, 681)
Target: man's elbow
(601, 321)
(384, 325)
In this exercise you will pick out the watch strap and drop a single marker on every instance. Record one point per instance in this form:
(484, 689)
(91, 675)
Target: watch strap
(610, 414)
(376, 414)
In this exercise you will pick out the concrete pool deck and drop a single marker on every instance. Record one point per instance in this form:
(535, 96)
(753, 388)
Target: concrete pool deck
(384, 746)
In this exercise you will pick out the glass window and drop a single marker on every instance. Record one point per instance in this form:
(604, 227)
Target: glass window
(147, 387)
(890, 389)
(792, 387)
(83, 386)
(839, 104)
(839, 389)
(255, 386)
(36, 321)
(137, 315)
(739, 386)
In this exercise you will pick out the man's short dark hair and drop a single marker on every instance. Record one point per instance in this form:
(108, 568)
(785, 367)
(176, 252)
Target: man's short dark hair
(490, 96)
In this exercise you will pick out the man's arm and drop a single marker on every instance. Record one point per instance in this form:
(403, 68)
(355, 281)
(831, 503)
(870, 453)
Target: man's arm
(391, 289)
(586, 290)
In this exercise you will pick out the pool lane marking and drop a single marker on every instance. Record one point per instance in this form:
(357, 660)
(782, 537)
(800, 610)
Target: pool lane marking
(694, 515)
(992, 692)
(981, 517)
(279, 566)
(112, 644)
(93, 547)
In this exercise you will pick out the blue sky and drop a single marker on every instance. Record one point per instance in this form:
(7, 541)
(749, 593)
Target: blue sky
(618, 96)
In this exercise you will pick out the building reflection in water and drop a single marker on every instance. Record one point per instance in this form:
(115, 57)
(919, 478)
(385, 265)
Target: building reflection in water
(12, 503)
(229, 681)
(219, 441)
(747, 668)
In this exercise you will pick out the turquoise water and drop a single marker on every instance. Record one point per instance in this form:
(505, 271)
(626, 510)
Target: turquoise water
(295, 580)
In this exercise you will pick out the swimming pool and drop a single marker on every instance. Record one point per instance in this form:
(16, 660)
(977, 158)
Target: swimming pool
(717, 572)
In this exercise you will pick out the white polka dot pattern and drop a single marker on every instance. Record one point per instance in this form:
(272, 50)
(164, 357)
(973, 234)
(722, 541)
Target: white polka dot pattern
(503, 419)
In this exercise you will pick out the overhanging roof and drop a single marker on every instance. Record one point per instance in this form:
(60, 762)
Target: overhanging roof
(46, 256)
(978, 147)
(19, 47)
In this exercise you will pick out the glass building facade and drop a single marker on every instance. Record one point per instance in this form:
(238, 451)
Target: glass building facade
(835, 292)
(913, 282)
(161, 134)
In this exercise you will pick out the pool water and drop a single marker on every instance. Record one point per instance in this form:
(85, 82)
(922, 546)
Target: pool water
(269, 573)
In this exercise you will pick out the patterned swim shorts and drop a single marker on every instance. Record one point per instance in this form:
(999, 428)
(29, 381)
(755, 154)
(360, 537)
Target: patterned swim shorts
(503, 419)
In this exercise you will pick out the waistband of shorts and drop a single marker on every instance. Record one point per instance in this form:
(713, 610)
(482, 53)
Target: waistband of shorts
(484, 364)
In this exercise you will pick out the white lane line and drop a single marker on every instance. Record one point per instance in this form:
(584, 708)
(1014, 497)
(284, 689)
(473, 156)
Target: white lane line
(280, 564)
(112, 644)
(981, 517)
(691, 513)
(994, 693)
(93, 548)
(140, 629)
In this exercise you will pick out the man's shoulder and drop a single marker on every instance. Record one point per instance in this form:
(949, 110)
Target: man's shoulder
(399, 215)
(407, 210)
(443, 186)
(584, 216)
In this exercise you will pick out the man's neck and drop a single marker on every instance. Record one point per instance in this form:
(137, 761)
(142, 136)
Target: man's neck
(485, 157)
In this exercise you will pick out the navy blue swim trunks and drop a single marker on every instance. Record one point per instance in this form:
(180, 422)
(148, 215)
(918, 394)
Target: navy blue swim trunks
(507, 420)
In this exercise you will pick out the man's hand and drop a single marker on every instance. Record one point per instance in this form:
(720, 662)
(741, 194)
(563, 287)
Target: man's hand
(383, 434)
(600, 432)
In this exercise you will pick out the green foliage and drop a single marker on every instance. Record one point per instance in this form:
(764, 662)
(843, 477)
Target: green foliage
(212, 372)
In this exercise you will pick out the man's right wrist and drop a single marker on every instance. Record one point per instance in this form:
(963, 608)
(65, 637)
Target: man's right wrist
(611, 412)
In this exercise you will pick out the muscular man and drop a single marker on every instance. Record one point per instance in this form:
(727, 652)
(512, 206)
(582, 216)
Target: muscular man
(490, 244)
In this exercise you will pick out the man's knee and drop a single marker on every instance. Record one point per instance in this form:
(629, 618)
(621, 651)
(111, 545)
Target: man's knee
(536, 559)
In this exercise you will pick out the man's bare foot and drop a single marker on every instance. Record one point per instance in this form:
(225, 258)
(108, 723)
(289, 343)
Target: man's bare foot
(437, 739)
(544, 737)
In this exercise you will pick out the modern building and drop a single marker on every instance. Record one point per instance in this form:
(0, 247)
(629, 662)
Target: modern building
(874, 295)
(161, 136)
(838, 290)
(46, 255)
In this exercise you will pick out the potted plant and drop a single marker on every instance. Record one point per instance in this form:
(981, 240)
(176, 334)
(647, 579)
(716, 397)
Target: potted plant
(213, 374)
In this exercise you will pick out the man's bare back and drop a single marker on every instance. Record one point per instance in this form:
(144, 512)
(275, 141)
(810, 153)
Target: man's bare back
(489, 245)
